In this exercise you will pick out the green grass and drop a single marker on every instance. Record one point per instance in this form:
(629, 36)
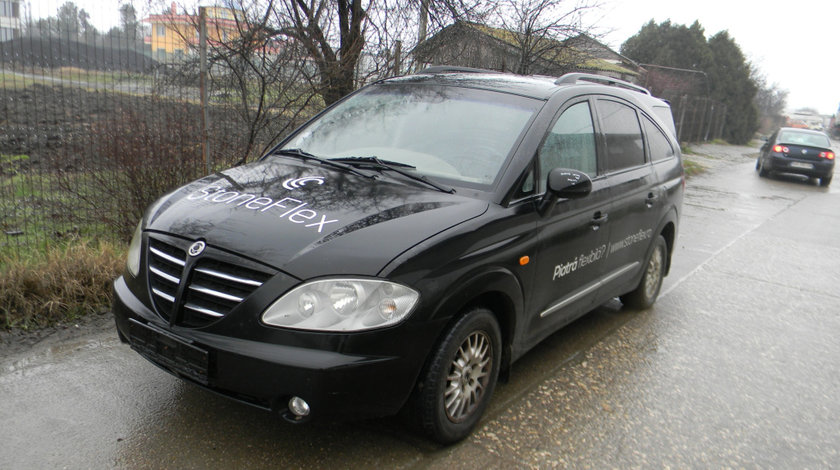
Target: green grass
(35, 210)
(692, 168)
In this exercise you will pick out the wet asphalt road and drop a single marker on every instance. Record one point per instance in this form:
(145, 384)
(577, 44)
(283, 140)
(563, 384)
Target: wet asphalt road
(736, 366)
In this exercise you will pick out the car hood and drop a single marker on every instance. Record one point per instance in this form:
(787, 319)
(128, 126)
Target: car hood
(309, 220)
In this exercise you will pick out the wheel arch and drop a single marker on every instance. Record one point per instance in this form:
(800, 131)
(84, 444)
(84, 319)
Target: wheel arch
(497, 290)
(668, 230)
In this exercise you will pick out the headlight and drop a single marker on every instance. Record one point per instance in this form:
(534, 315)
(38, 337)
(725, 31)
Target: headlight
(342, 305)
(132, 261)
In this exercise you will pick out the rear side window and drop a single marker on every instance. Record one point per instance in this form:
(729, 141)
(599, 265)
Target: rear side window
(660, 148)
(571, 142)
(624, 136)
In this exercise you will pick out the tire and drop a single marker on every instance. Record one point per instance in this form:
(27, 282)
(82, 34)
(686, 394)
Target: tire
(467, 359)
(645, 294)
(825, 181)
(761, 170)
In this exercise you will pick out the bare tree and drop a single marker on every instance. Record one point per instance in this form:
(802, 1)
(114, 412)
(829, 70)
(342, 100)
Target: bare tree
(545, 32)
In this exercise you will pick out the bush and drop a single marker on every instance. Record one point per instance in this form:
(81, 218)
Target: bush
(132, 160)
(58, 285)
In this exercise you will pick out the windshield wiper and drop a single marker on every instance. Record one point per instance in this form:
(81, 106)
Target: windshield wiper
(374, 161)
(308, 156)
(397, 167)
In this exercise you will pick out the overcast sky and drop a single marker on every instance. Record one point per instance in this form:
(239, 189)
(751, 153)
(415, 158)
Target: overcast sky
(794, 44)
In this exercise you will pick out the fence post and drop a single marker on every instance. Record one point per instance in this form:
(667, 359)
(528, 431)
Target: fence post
(398, 59)
(711, 119)
(683, 105)
(202, 39)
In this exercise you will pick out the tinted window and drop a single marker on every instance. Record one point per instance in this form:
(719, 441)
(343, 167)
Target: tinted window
(570, 143)
(660, 148)
(624, 136)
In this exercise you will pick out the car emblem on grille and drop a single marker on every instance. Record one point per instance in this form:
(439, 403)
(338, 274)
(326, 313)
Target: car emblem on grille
(196, 248)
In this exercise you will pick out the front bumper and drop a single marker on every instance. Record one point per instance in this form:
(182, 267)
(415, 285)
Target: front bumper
(335, 383)
(812, 168)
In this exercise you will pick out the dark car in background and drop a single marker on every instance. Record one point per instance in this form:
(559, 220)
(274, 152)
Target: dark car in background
(407, 245)
(799, 151)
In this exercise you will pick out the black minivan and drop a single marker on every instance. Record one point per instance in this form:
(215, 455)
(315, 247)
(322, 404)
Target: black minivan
(407, 244)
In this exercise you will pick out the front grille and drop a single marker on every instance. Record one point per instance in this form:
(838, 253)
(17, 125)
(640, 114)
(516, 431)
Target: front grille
(166, 269)
(213, 288)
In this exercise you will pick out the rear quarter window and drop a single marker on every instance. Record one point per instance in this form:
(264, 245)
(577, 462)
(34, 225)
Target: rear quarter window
(660, 147)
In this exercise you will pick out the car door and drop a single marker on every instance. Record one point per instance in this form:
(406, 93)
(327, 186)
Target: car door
(636, 198)
(572, 236)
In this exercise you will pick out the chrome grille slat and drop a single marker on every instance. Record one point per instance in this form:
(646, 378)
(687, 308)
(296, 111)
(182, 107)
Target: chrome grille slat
(163, 295)
(204, 311)
(164, 275)
(167, 257)
(229, 277)
(215, 293)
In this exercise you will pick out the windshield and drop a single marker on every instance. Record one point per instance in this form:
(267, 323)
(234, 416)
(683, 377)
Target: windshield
(804, 138)
(459, 134)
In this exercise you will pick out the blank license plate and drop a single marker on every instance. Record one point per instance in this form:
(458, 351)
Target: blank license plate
(806, 166)
(169, 351)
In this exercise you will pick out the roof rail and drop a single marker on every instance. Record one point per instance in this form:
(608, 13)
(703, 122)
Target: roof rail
(591, 77)
(454, 69)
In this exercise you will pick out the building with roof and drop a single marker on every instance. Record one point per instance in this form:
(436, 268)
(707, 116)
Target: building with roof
(174, 33)
(476, 45)
(9, 20)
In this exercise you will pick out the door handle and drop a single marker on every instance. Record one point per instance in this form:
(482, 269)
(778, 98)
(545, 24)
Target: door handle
(650, 199)
(597, 219)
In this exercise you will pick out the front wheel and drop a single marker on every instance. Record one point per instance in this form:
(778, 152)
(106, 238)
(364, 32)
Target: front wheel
(459, 381)
(645, 294)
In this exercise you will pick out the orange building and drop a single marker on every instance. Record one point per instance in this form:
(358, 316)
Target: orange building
(174, 34)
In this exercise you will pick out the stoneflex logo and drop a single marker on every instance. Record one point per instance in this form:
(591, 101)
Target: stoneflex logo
(295, 183)
(293, 210)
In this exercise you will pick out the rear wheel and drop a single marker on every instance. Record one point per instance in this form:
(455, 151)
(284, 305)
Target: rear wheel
(461, 376)
(645, 294)
(826, 180)
(762, 171)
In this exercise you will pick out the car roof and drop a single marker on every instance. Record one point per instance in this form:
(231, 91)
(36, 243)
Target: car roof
(803, 131)
(533, 86)
(530, 86)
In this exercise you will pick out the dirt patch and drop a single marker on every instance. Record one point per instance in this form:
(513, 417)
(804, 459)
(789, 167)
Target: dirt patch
(16, 341)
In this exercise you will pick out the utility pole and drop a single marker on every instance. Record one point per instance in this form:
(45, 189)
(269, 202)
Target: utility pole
(205, 135)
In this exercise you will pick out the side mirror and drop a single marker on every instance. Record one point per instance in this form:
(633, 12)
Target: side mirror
(567, 184)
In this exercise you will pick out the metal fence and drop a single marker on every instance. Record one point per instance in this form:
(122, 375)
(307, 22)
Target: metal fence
(698, 119)
(93, 127)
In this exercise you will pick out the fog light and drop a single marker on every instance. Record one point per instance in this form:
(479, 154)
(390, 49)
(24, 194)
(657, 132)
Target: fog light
(298, 406)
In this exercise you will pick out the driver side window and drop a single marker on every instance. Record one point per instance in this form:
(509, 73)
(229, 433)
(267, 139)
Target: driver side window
(570, 143)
